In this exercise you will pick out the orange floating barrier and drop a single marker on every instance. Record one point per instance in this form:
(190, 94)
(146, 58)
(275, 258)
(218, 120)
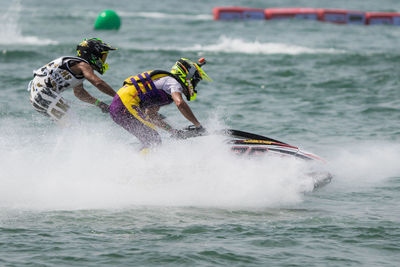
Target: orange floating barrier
(341, 16)
(391, 18)
(238, 13)
(292, 13)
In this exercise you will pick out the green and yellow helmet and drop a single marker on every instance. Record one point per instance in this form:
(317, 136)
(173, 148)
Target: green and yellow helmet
(190, 74)
(95, 52)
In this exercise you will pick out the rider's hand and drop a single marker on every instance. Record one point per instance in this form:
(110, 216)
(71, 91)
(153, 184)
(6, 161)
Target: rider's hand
(178, 134)
(195, 130)
(103, 106)
(199, 130)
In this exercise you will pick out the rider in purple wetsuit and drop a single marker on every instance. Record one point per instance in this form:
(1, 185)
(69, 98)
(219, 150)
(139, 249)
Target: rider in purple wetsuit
(135, 106)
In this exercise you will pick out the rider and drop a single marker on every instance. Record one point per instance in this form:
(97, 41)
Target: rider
(136, 105)
(69, 72)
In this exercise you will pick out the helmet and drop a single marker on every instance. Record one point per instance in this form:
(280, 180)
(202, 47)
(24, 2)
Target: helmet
(190, 74)
(95, 52)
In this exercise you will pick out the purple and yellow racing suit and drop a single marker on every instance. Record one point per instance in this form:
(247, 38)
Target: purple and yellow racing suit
(138, 93)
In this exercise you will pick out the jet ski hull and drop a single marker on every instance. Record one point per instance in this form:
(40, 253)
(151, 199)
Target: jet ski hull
(252, 145)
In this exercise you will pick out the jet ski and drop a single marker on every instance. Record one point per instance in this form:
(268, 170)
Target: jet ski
(253, 145)
(245, 143)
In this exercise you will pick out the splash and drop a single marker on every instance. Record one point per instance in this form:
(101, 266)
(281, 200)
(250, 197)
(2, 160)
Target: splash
(236, 45)
(233, 45)
(159, 15)
(364, 164)
(85, 169)
(10, 32)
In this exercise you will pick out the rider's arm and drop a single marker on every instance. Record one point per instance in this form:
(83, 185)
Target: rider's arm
(157, 119)
(184, 108)
(83, 95)
(89, 74)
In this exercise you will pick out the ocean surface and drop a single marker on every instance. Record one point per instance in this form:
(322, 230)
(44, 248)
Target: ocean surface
(82, 196)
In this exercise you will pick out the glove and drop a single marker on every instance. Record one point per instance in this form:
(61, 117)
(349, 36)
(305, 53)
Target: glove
(199, 130)
(103, 106)
(193, 131)
(190, 131)
(178, 134)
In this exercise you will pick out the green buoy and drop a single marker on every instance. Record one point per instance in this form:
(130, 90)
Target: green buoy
(107, 20)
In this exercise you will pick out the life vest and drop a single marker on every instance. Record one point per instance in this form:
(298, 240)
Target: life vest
(58, 75)
(147, 92)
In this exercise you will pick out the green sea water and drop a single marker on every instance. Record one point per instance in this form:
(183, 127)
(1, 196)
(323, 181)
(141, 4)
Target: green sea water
(82, 196)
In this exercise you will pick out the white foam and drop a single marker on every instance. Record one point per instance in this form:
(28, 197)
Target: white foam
(84, 169)
(364, 164)
(159, 15)
(237, 45)
(10, 32)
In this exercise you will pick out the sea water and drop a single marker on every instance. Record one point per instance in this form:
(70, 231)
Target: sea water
(82, 196)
